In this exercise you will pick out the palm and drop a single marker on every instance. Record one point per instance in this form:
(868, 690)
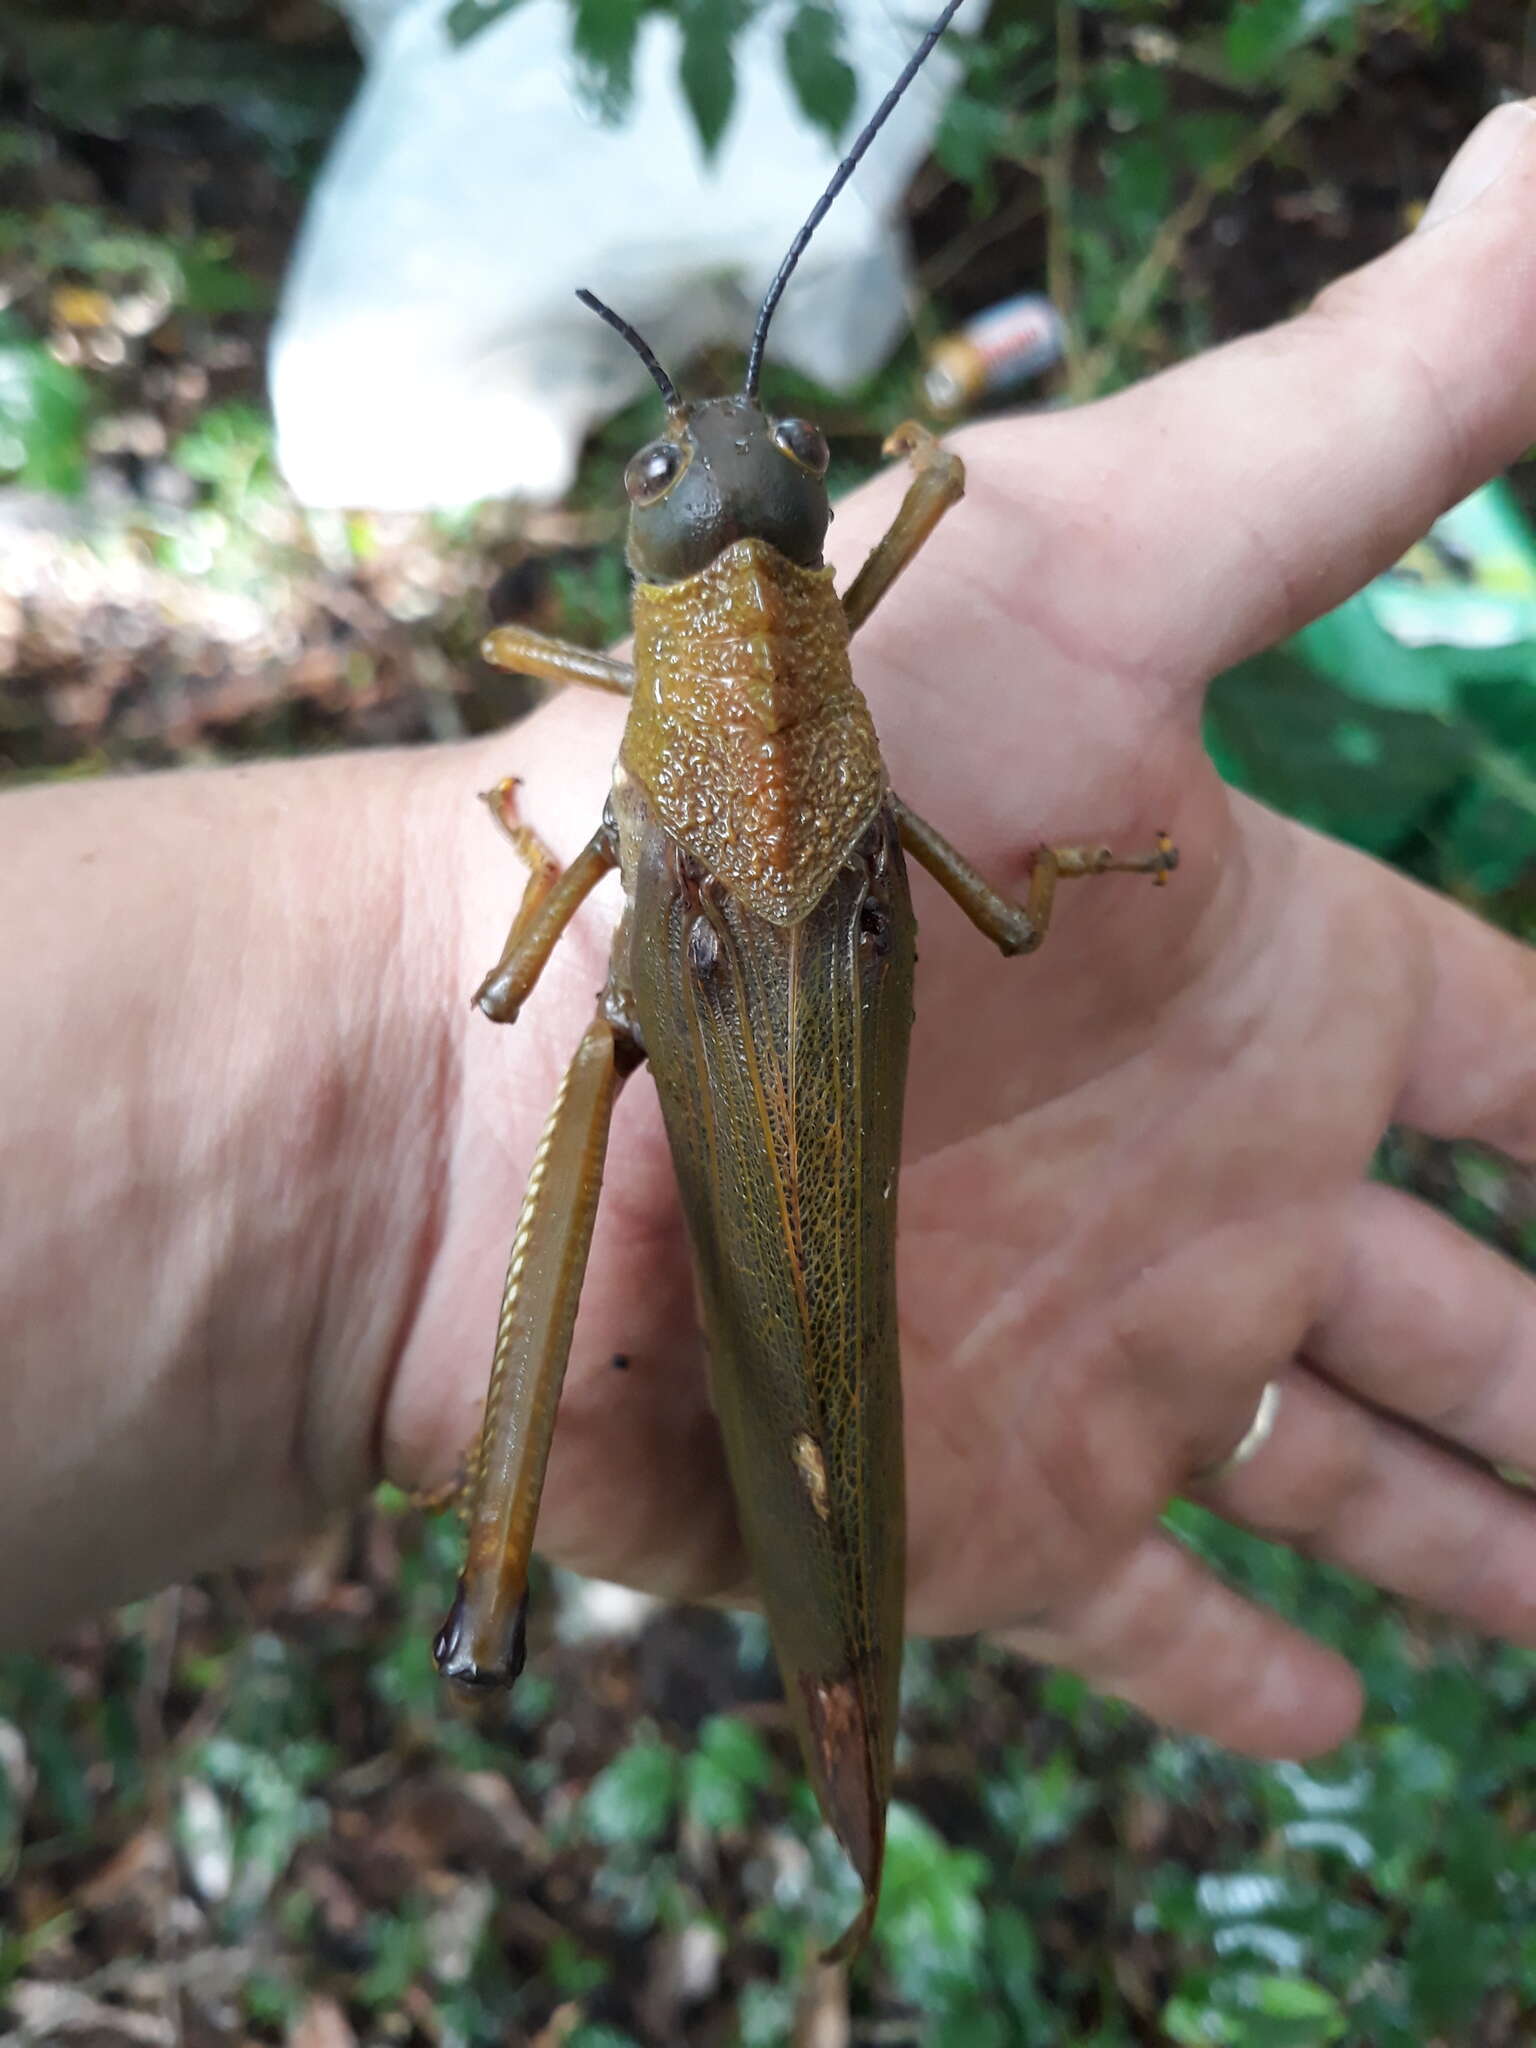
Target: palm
(1133, 1189)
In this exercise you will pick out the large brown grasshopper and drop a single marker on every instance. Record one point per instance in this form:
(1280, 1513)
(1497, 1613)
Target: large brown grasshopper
(763, 966)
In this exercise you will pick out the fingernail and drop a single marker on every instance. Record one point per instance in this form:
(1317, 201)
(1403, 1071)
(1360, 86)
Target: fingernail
(1487, 152)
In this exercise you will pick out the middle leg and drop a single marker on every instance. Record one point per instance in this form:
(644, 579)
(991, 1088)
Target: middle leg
(1020, 927)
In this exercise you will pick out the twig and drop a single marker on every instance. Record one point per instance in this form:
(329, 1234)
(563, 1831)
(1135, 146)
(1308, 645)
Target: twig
(947, 263)
(1149, 276)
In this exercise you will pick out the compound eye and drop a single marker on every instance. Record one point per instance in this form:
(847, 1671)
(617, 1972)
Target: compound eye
(804, 444)
(649, 475)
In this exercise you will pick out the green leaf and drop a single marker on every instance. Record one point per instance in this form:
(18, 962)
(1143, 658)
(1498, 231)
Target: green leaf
(1140, 185)
(400, 1959)
(466, 18)
(1035, 1803)
(43, 408)
(1014, 1953)
(1489, 837)
(1134, 92)
(571, 1970)
(823, 80)
(1206, 137)
(603, 38)
(707, 70)
(929, 1923)
(1504, 707)
(632, 1801)
(1262, 33)
(270, 2000)
(765, 2015)
(1369, 774)
(722, 1776)
(229, 449)
(1253, 2011)
(1259, 32)
(1298, 1998)
(970, 136)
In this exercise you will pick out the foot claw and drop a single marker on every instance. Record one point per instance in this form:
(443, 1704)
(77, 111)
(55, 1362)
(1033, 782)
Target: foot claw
(500, 801)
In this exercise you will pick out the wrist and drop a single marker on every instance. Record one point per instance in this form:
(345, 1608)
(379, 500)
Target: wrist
(226, 1070)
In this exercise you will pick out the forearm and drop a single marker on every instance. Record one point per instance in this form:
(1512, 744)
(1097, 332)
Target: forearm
(227, 1073)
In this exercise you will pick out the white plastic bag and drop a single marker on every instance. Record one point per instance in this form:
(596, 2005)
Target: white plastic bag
(429, 349)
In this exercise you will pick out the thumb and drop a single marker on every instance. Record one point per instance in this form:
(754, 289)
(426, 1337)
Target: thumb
(1266, 481)
(1486, 154)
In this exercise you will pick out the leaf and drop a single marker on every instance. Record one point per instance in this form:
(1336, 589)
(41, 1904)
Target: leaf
(727, 1767)
(1372, 775)
(970, 136)
(1260, 33)
(1334, 1835)
(43, 407)
(1206, 137)
(1352, 649)
(929, 1922)
(1450, 1956)
(632, 1800)
(1297, 1998)
(1241, 1894)
(603, 39)
(707, 69)
(1037, 1803)
(1014, 1953)
(1505, 708)
(466, 18)
(229, 448)
(824, 82)
(1277, 2010)
(1132, 92)
(1140, 185)
(1489, 838)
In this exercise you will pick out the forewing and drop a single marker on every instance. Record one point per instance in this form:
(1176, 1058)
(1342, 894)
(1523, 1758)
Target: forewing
(780, 1055)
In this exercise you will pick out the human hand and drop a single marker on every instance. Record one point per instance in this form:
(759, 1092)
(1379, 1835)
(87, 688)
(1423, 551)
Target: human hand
(1134, 1186)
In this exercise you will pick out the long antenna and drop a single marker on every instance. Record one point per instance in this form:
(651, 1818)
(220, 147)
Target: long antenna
(840, 177)
(641, 348)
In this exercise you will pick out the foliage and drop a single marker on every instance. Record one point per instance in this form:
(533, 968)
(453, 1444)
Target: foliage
(1422, 753)
(632, 1802)
(187, 273)
(604, 35)
(43, 409)
(112, 278)
(104, 76)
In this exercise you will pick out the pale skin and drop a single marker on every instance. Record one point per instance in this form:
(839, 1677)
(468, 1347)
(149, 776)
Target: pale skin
(262, 1164)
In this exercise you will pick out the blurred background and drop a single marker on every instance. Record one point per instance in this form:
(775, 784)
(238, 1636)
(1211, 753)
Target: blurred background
(238, 1813)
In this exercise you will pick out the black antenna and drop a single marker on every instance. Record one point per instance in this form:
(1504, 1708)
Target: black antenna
(840, 177)
(641, 348)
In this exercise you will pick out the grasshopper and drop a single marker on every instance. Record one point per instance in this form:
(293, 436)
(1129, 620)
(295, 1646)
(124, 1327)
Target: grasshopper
(763, 967)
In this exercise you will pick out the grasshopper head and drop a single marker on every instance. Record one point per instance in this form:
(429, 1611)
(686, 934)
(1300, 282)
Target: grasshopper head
(725, 471)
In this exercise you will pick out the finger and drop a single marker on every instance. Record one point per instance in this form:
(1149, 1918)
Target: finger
(1166, 1634)
(1429, 1324)
(1473, 1071)
(1276, 475)
(1347, 1485)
